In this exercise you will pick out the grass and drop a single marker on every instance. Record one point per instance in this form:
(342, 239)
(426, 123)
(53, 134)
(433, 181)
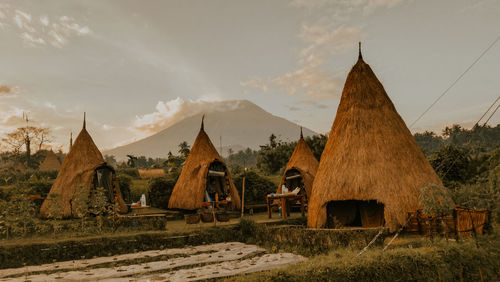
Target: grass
(411, 258)
(139, 187)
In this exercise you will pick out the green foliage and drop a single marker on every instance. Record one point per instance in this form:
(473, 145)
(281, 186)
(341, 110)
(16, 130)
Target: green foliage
(17, 215)
(452, 164)
(137, 188)
(241, 159)
(124, 181)
(274, 156)
(317, 144)
(436, 200)
(12, 177)
(132, 172)
(429, 142)
(434, 262)
(100, 206)
(256, 187)
(160, 190)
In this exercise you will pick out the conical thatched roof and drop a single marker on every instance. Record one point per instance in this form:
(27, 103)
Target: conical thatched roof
(51, 162)
(189, 191)
(77, 171)
(370, 154)
(304, 161)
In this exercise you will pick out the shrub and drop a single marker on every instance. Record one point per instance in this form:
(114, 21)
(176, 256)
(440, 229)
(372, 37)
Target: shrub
(256, 187)
(160, 190)
(124, 181)
(128, 171)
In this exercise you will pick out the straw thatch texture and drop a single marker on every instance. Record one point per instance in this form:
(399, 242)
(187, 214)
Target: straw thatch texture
(303, 160)
(151, 173)
(470, 221)
(51, 162)
(370, 154)
(77, 172)
(190, 189)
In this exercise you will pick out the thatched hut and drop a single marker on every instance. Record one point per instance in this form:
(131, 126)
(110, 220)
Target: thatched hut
(301, 169)
(371, 171)
(51, 162)
(204, 178)
(83, 168)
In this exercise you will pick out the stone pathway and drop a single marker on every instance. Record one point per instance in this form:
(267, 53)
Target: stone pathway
(191, 263)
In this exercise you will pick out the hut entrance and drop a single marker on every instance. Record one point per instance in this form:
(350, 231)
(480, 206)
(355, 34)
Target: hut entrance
(353, 213)
(217, 183)
(293, 180)
(103, 177)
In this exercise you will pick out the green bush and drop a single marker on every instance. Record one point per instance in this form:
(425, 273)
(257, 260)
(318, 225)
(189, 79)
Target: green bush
(132, 172)
(125, 180)
(256, 187)
(434, 262)
(160, 190)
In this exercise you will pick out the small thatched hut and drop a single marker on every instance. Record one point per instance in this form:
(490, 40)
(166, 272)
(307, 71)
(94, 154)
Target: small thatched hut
(371, 169)
(83, 168)
(51, 162)
(204, 178)
(301, 169)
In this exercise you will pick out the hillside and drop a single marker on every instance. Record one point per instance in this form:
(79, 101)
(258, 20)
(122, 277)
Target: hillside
(242, 125)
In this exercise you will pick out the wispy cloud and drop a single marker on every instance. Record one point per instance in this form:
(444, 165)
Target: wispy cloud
(324, 37)
(46, 31)
(6, 90)
(169, 112)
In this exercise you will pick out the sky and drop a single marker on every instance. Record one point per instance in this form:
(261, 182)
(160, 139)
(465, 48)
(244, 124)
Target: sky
(137, 67)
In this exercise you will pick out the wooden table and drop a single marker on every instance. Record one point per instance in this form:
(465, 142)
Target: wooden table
(285, 198)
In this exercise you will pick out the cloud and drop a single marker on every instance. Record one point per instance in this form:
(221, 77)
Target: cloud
(6, 90)
(55, 31)
(293, 108)
(170, 112)
(347, 5)
(310, 78)
(324, 37)
(314, 104)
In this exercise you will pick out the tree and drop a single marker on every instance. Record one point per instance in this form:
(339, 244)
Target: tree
(132, 160)
(452, 164)
(184, 149)
(25, 136)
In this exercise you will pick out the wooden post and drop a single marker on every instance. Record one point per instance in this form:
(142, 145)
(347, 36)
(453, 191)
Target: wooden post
(283, 207)
(243, 194)
(302, 206)
(268, 207)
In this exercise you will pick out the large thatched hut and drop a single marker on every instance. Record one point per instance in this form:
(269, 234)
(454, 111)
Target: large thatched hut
(371, 171)
(83, 168)
(51, 162)
(204, 178)
(301, 169)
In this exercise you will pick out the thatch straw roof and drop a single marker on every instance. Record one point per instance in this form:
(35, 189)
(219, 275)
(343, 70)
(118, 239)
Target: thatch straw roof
(303, 160)
(151, 173)
(51, 162)
(370, 154)
(77, 172)
(189, 191)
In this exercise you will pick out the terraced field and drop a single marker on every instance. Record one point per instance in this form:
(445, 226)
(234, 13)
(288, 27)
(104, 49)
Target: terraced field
(182, 264)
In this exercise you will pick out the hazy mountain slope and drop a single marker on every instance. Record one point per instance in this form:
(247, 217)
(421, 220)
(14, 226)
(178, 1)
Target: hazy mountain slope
(244, 125)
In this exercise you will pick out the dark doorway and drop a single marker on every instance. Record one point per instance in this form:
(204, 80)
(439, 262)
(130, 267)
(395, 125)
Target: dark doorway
(293, 179)
(353, 213)
(103, 177)
(217, 182)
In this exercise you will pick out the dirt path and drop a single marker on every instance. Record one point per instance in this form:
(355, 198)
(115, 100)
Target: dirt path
(191, 263)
